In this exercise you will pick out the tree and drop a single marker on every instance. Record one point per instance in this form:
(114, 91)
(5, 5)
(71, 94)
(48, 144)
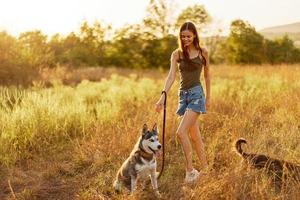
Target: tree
(216, 46)
(88, 47)
(244, 44)
(18, 64)
(8, 58)
(125, 48)
(73, 53)
(157, 23)
(281, 50)
(196, 13)
(56, 45)
(157, 52)
(8, 49)
(34, 49)
(92, 40)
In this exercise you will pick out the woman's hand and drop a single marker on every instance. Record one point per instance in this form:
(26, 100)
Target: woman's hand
(159, 104)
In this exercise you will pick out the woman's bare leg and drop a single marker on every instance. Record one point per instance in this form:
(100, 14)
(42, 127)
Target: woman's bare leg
(198, 144)
(189, 118)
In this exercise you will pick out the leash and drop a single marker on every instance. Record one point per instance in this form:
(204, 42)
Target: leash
(163, 136)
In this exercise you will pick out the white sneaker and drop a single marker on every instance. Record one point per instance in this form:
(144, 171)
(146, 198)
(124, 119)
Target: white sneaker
(191, 176)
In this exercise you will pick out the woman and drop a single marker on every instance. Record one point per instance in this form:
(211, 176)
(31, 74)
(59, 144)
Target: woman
(191, 58)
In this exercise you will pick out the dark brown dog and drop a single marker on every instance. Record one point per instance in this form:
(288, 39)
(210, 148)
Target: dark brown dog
(279, 170)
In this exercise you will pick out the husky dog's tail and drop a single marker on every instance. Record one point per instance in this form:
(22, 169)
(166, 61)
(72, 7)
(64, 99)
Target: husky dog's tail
(117, 186)
(238, 146)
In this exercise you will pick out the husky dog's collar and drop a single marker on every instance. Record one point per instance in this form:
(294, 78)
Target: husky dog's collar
(144, 154)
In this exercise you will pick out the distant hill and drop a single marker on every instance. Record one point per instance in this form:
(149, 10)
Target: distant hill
(288, 28)
(292, 30)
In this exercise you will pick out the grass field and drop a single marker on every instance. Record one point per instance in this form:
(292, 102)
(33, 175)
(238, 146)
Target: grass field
(68, 140)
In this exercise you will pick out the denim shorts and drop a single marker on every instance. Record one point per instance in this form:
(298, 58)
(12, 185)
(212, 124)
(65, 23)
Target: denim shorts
(191, 99)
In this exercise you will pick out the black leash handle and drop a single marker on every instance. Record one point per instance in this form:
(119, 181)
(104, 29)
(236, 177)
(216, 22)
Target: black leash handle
(163, 136)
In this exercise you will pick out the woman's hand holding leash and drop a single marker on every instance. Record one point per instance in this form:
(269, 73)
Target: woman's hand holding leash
(160, 103)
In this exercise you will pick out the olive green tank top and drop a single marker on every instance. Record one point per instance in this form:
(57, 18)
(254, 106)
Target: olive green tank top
(190, 71)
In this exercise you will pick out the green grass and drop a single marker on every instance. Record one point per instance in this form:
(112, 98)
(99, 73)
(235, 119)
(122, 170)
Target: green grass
(68, 142)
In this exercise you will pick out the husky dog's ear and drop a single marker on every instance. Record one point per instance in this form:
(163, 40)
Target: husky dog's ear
(145, 129)
(155, 128)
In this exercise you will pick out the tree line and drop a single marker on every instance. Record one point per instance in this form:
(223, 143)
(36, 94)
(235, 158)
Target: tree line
(148, 44)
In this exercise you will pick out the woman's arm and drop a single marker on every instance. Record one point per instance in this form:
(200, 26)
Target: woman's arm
(172, 73)
(207, 77)
(169, 80)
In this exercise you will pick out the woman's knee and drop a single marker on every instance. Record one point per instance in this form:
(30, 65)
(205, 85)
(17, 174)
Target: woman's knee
(181, 133)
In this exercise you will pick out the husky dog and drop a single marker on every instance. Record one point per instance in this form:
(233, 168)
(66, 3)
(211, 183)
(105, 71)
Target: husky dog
(279, 170)
(141, 163)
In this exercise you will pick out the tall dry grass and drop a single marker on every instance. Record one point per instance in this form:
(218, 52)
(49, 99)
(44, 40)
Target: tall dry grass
(82, 133)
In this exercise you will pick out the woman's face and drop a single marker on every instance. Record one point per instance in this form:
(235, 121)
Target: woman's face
(187, 37)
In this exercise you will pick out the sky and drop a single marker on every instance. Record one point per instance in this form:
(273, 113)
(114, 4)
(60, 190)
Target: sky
(65, 16)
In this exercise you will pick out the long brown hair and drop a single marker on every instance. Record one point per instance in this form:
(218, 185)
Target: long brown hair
(191, 27)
